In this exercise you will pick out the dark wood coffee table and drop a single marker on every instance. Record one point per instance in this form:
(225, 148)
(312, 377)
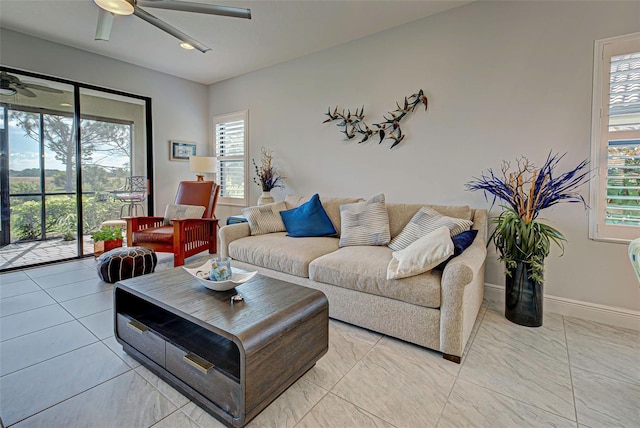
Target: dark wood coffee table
(232, 359)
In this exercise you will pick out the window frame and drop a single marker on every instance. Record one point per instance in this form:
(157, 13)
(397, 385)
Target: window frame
(603, 51)
(233, 117)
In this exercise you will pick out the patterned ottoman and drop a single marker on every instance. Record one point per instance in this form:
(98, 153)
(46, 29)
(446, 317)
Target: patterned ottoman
(126, 262)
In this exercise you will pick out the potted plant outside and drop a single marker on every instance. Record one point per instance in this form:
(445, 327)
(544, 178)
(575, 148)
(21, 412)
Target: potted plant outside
(267, 176)
(106, 239)
(523, 242)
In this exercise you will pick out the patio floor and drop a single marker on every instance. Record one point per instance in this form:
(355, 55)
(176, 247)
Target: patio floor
(21, 254)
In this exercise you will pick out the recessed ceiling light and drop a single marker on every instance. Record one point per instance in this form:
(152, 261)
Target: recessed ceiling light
(187, 46)
(65, 105)
(119, 7)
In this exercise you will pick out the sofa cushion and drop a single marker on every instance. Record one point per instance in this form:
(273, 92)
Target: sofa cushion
(401, 214)
(330, 205)
(365, 223)
(422, 255)
(461, 242)
(265, 218)
(424, 222)
(364, 268)
(309, 219)
(282, 253)
(182, 211)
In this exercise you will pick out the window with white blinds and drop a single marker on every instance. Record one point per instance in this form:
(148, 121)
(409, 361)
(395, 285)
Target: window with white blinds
(615, 191)
(231, 150)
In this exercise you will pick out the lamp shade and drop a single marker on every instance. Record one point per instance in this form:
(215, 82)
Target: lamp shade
(202, 164)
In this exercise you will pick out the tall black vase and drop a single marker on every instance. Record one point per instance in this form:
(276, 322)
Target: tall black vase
(523, 300)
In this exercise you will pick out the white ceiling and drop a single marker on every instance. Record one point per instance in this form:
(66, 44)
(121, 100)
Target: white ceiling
(278, 31)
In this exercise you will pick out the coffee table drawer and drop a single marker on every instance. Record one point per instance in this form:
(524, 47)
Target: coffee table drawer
(142, 338)
(204, 377)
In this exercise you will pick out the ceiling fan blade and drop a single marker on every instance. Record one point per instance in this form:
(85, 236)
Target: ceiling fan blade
(235, 12)
(8, 77)
(105, 21)
(41, 88)
(24, 91)
(169, 29)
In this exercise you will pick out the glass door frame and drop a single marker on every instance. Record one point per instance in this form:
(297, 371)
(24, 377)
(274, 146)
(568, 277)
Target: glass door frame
(4, 155)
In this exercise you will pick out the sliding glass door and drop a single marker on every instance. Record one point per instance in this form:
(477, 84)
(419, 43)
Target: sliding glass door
(66, 149)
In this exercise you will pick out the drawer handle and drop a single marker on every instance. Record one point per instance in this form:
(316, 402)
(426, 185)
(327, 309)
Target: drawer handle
(198, 362)
(137, 326)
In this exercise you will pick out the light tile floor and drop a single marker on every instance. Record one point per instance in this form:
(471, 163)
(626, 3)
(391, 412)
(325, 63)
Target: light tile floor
(61, 366)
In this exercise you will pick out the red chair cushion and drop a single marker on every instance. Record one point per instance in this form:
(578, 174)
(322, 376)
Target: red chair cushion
(155, 235)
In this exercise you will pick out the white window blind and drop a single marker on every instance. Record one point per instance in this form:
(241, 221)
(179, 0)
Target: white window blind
(231, 151)
(615, 196)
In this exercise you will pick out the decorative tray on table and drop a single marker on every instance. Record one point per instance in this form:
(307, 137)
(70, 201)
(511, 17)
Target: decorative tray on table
(238, 276)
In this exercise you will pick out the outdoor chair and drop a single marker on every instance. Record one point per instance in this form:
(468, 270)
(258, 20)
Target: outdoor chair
(183, 237)
(133, 194)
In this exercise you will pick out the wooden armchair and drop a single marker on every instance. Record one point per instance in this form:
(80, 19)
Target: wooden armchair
(187, 236)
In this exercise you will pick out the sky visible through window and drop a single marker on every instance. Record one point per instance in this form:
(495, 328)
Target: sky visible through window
(25, 153)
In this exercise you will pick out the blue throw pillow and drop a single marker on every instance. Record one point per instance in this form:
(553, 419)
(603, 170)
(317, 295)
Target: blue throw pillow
(461, 242)
(309, 219)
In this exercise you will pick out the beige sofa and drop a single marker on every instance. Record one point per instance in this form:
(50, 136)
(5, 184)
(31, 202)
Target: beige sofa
(436, 309)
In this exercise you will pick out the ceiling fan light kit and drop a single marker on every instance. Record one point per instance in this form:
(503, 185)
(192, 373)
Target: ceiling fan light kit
(7, 92)
(118, 7)
(109, 8)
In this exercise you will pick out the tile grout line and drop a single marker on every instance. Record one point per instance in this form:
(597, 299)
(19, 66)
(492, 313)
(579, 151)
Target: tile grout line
(312, 407)
(338, 381)
(462, 362)
(75, 395)
(55, 356)
(40, 329)
(347, 401)
(573, 389)
(515, 399)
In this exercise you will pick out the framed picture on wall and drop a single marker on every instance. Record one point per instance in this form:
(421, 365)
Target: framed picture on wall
(181, 150)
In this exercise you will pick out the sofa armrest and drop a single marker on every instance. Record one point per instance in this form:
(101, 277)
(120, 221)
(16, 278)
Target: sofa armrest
(481, 223)
(461, 296)
(230, 233)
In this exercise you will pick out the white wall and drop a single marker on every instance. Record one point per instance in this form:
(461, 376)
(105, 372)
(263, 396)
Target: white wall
(503, 80)
(180, 107)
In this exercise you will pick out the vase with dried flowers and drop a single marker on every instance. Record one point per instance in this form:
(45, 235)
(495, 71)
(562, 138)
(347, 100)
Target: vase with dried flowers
(267, 176)
(522, 241)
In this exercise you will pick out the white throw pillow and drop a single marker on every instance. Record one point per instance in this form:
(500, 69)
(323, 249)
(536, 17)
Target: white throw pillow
(182, 211)
(365, 223)
(422, 255)
(425, 221)
(265, 218)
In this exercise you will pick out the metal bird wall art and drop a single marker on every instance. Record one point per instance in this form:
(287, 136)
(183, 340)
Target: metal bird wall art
(354, 124)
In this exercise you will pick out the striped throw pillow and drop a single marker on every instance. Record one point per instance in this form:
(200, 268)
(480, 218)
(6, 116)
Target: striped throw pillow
(424, 222)
(365, 223)
(266, 218)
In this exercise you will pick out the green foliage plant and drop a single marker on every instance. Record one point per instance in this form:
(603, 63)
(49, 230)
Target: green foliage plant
(26, 221)
(518, 235)
(107, 233)
(67, 226)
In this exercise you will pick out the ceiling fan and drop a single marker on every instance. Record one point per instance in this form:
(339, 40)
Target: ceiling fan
(110, 8)
(10, 84)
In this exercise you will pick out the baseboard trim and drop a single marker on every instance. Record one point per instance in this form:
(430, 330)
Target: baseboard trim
(611, 315)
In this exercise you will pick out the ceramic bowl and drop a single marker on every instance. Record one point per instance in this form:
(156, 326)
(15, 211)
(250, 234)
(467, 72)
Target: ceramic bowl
(202, 275)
